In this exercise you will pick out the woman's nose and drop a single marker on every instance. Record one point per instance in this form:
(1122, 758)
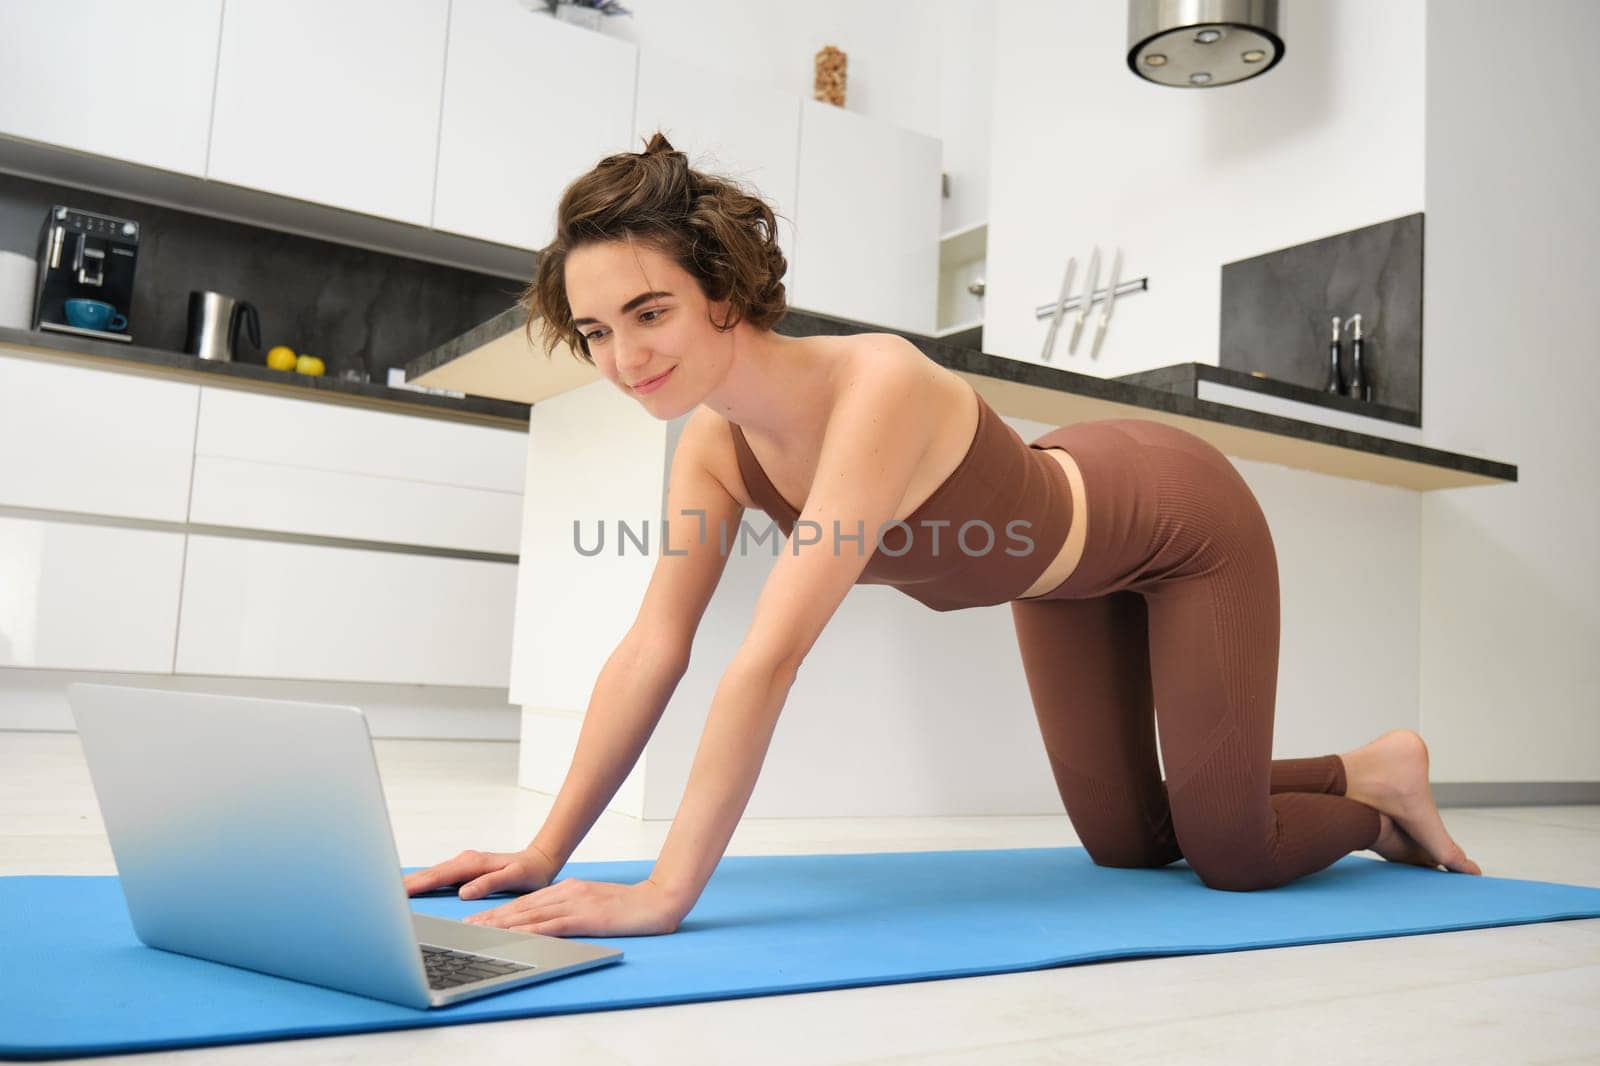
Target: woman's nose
(629, 355)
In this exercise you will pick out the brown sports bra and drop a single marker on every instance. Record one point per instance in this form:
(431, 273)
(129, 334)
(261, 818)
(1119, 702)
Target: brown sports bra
(982, 538)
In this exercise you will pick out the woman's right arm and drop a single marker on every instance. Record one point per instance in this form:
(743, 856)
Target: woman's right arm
(638, 680)
(639, 677)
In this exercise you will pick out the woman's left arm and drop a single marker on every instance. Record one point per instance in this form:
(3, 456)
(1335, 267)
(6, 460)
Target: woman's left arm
(875, 438)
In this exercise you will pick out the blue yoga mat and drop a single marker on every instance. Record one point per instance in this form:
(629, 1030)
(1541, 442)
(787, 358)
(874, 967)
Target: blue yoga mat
(76, 981)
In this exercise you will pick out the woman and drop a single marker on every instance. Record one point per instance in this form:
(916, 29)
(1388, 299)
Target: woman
(1138, 566)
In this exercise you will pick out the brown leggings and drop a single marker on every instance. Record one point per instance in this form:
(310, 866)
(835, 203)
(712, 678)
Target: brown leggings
(1170, 623)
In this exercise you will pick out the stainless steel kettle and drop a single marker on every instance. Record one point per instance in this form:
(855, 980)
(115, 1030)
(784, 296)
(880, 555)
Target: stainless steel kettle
(214, 321)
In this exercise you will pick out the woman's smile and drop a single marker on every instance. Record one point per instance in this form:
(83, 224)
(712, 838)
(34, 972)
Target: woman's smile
(652, 384)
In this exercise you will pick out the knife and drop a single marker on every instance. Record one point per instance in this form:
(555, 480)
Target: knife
(1111, 298)
(1061, 304)
(1088, 298)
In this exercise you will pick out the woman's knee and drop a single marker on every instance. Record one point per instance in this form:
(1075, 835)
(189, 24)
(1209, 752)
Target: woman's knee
(1120, 830)
(1131, 852)
(1229, 874)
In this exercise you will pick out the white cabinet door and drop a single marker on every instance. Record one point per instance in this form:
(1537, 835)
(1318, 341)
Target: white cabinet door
(111, 78)
(92, 441)
(333, 103)
(529, 104)
(738, 130)
(292, 499)
(76, 597)
(324, 436)
(296, 466)
(270, 609)
(867, 246)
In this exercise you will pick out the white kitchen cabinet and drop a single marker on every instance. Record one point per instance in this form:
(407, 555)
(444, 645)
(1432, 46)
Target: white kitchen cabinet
(80, 597)
(323, 436)
(333, 103)
(736, 129)
(289, 499)
(295, 466)
(76, 439)
(530, 103)
(109, 78)
(867, 246)
(271, 609)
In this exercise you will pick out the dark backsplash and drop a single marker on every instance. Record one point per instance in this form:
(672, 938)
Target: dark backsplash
(349, 306)
(1276, 309)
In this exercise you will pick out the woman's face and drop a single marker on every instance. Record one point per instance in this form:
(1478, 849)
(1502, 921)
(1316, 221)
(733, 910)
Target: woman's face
(647, 324)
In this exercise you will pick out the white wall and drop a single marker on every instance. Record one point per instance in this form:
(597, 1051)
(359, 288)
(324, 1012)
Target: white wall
(925, 66)
(1511, 575)
(965, 90)
(1184, 181)
(1470, 614)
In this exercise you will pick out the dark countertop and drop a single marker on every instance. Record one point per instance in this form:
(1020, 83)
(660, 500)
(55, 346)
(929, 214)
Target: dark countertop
(180, 365)
(1175, 394)
(1185, 378)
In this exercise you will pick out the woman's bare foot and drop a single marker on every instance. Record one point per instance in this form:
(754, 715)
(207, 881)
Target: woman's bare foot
(1396, 845)
(1391, 774)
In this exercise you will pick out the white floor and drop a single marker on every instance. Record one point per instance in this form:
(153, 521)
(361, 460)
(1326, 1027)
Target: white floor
(1524, 994)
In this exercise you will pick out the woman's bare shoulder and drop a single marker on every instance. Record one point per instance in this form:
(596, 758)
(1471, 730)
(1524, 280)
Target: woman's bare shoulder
(890, 359)
(869, 351)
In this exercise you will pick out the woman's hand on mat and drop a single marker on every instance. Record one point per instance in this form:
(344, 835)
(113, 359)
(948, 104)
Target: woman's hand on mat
(587, 908)
(480, 873)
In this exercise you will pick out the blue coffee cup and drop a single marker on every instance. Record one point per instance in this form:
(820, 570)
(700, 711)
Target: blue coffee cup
(94, 314)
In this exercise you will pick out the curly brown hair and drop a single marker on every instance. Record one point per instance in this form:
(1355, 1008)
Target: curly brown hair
(721, 234)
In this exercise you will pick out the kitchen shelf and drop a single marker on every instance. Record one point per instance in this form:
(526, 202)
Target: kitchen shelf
(965, 245)
(962, 255)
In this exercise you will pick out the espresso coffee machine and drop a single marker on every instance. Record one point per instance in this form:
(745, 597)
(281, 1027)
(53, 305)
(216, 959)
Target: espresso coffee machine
(85, 284)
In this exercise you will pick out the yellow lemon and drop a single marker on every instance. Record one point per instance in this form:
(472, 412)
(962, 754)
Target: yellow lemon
(310, 364)
(281, 357)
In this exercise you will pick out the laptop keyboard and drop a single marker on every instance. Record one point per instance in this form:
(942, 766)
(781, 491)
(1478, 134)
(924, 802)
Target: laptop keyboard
(448, 969)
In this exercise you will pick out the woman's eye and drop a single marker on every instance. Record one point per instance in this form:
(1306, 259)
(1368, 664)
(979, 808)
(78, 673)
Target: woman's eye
(600, 333)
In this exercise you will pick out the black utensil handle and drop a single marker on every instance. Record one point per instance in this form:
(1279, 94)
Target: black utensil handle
(254, 324)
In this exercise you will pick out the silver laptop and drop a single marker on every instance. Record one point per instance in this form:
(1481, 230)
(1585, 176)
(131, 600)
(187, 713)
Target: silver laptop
(253, 832)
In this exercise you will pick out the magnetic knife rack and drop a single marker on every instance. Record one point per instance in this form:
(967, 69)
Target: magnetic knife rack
(1133, 285)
